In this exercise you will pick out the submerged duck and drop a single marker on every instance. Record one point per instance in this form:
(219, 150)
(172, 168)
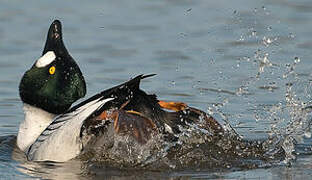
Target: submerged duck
(120, 126)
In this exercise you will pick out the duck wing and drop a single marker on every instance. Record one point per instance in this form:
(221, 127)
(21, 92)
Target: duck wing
(60, 141)
(140, 115)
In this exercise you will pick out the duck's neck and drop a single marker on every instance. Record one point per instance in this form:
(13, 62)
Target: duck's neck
(36, 120)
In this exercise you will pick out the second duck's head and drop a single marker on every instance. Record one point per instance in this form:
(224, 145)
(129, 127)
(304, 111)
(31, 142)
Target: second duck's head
(55, 81)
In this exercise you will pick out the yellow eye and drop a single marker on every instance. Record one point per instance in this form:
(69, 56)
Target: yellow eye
(52, 70)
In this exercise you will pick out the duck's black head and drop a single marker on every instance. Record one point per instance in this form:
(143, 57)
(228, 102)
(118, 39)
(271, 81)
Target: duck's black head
(55, 81)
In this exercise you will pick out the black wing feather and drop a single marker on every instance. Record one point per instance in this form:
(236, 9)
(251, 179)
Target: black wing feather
(119, 92)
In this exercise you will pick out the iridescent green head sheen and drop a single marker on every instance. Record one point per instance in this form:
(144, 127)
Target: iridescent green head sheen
(55, 81)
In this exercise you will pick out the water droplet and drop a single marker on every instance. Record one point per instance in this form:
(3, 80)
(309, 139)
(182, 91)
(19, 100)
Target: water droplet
(291, 35)
(307, 134)
(253, 33)
(297, 60)
(269, 28)
(267, 41)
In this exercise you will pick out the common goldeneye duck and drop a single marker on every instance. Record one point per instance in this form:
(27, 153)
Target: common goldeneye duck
(49, 87)
(119, 126)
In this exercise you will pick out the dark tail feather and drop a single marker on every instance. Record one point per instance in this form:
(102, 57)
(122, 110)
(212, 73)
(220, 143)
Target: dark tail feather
(146, 76)
(135, 82)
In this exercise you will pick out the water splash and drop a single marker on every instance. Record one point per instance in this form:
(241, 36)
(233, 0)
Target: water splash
(288, 114)
(290, 118)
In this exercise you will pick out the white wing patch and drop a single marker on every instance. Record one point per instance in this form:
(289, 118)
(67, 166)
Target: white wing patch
(46, 59)
(60, 140)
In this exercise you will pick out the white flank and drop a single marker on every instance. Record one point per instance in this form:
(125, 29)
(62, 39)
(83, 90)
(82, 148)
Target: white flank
(61, 140)
(36, 120)
(46, 59)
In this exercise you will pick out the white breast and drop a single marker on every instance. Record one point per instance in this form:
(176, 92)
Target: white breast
(36, 120)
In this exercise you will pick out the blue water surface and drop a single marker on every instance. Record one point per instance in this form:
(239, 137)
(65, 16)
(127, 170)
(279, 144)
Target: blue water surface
(245, 62)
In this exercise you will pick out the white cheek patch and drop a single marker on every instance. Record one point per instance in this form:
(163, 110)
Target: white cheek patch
(46, 59)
